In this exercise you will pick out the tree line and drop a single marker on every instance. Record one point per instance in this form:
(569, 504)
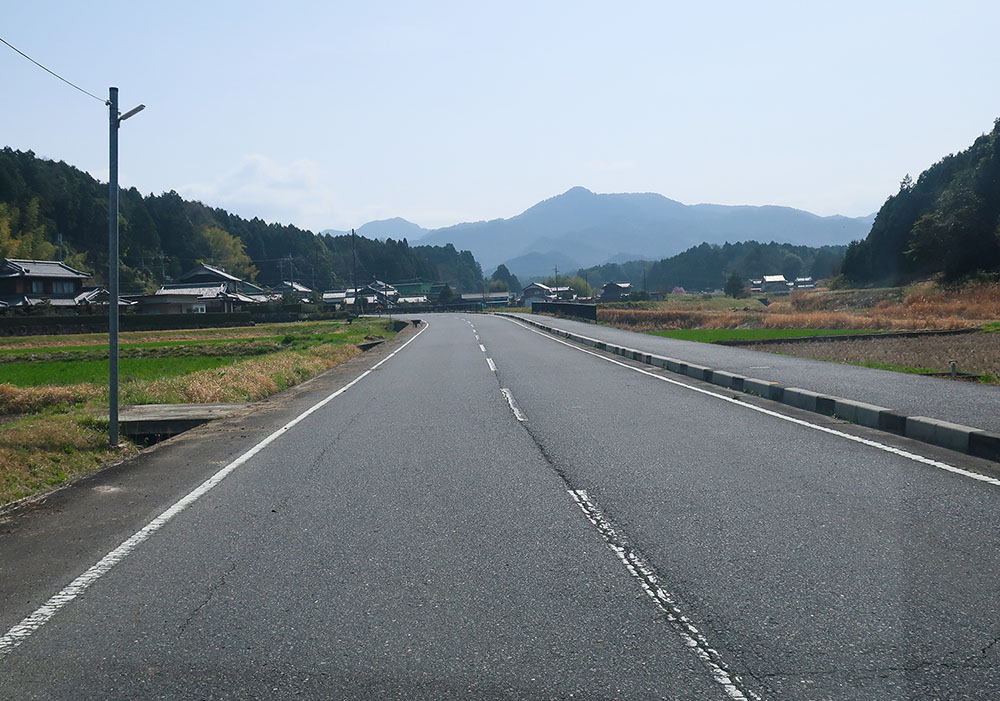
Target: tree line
(51, 210)
(708, 266)
(945, 223)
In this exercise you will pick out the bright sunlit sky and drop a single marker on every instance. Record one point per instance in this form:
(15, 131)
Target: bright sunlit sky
(331, 114)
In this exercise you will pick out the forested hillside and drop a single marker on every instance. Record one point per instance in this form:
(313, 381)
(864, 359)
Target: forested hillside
(707, 266)
(161, 236)
(946, 222)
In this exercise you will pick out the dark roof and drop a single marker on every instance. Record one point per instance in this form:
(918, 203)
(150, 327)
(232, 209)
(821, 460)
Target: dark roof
(212, 271)
(13, 267)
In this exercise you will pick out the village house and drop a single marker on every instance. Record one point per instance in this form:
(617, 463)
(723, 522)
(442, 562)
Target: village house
(27, 283)
(489, 299)
(201, 290)
(775, 285)
(293, 289)
(615, 291)
(537, 292)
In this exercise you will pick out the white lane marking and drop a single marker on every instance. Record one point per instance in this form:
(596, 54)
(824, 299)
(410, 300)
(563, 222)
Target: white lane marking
(477, 336)
(791, 419)
(491, 364)
(637, 567)
(35, 620)
(375, 366)
(518, 414)
(482, 347)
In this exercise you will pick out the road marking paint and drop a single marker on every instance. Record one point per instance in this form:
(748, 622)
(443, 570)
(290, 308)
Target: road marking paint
(770, 412)
(491, 364)
(518, 414)
(32, 622)
(482, 347)
(664, 601)
(477, 336)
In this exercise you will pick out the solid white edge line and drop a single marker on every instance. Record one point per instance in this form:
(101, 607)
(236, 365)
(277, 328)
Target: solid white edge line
(518, 414)
(20, 632)
(491, 364)
(770, 412)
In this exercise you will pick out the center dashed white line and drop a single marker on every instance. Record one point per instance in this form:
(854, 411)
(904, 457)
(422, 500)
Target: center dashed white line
(637, 567)
(518, 414)
(491, 364)
(482, 347)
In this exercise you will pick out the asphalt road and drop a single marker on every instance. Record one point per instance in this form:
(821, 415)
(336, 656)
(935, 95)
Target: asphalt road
(493, 513)
(967, 403)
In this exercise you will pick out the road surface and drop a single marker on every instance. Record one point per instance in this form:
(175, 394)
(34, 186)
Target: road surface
(966, 403)
(489, 512)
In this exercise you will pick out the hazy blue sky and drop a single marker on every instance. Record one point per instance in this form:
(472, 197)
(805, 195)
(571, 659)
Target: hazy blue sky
(330, 114)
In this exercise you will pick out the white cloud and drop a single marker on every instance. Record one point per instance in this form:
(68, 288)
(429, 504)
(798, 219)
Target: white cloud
(288, 193)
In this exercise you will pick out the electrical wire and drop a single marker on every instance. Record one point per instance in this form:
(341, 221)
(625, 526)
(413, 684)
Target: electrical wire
(99, 99)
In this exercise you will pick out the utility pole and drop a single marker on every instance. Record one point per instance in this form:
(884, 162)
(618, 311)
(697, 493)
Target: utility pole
(114, 121)
(163, 268)
(556, 284)
(354, 263)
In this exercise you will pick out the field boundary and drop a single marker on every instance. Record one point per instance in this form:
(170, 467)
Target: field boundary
(847, 337)
(965, 439)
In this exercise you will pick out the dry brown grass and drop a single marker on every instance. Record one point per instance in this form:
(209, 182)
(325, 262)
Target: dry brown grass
(924, 307)
(236, 332)
(38, 452)
(659, 319)
(45, 440)
(249, 380)
(30, 400)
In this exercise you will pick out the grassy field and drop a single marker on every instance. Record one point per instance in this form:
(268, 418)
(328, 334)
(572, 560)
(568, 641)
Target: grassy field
(896, 308)
(53, 389)
(829, 312)
(37, 373)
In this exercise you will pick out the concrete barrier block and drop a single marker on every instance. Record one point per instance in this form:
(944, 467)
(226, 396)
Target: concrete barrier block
(658, 361)
(674, 365)
(938, 432)
(892, 421)
(857, 412)
(953, 436)
(920, 428)
(698, 372)
(824, 405)
(845, 409)
(763, 388)
(801, 398)
(728, 380)
(984, 444)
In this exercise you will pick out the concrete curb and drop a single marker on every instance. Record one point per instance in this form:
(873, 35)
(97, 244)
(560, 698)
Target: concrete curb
(964, 439)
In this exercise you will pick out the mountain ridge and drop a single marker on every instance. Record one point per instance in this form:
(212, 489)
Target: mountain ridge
(582, 228)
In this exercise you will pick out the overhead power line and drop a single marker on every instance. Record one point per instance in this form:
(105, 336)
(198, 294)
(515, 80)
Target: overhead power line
(99, 99)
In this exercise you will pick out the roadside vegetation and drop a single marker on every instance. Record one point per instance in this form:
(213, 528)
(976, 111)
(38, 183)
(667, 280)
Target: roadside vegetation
(716, 335)
(54, 395)
(919, 307)
(822, 312)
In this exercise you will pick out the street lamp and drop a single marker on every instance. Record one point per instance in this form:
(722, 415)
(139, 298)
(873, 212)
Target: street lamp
(114, 120)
